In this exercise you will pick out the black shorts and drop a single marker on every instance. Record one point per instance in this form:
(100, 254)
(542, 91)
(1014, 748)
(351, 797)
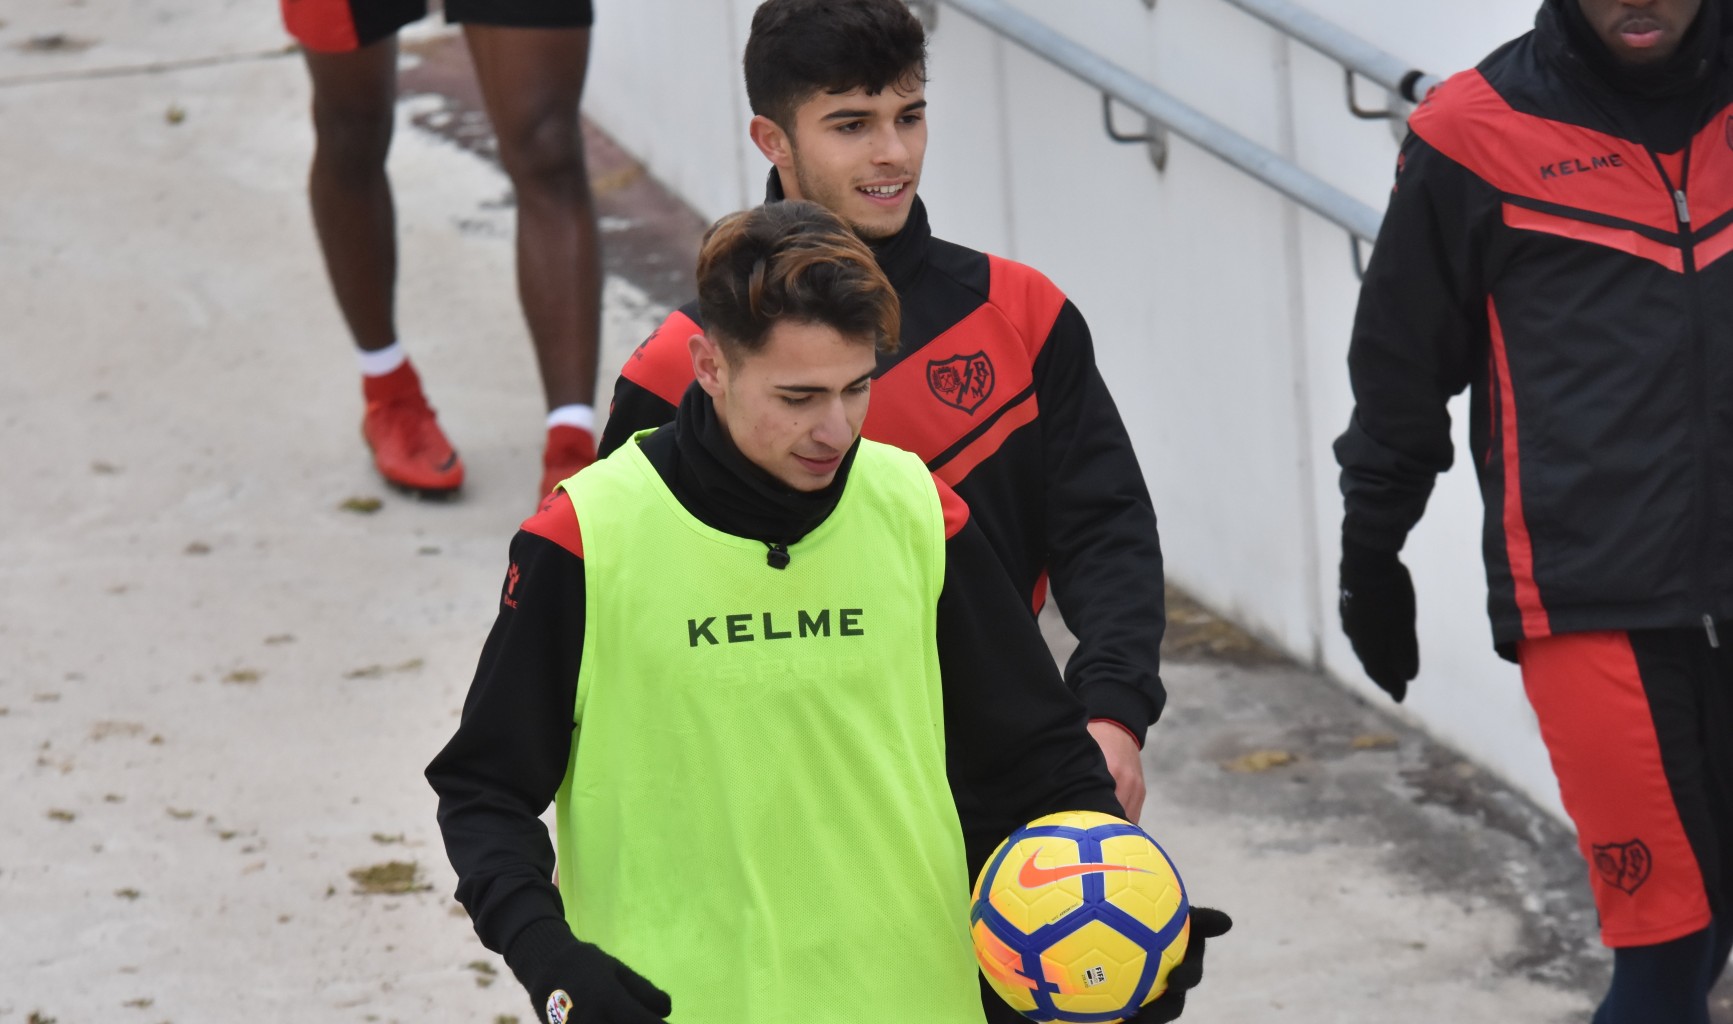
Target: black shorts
(339, 26)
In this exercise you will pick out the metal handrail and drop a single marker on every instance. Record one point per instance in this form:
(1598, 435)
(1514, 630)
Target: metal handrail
(1212, 136)
(1343, 47)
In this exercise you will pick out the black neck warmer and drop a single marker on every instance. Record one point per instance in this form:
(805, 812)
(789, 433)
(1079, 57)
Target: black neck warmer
(725, 490)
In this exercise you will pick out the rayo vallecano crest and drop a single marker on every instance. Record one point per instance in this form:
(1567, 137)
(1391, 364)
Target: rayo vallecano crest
(962, 381)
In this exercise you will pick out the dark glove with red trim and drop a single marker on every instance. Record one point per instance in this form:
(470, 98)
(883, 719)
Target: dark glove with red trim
(572, 982)
(1378, 616)
(1205, 924)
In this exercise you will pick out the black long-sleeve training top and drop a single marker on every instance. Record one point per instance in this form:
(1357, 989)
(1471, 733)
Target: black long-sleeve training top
(1558, 241)
(995, 387)
(1016, 743)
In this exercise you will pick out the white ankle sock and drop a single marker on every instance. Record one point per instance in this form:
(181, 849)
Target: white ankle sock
(380, 362)
(581, 416)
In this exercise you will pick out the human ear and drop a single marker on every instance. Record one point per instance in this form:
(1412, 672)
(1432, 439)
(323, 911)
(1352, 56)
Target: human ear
(776, 144)
(709, 366)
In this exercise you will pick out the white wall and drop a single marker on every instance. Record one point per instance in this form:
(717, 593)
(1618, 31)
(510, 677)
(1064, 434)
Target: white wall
(1221, 312)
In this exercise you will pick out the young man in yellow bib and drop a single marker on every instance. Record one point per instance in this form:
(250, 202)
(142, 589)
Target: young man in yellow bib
(752, 660)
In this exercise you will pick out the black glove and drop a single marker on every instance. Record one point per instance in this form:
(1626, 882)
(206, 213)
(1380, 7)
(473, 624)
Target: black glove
(1378, 616)
(597, 988)
(1205, 924)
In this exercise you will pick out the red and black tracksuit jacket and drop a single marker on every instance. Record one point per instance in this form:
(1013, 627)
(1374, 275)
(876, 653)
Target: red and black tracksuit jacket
(1561, 245)
(995, 387)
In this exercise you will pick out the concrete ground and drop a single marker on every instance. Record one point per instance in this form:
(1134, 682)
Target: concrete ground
(223, 666)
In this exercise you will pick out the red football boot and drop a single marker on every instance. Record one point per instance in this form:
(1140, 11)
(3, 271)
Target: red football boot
(569, 450)
(409, 449)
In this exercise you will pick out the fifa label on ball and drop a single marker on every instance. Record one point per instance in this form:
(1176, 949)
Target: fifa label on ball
(1078, 917)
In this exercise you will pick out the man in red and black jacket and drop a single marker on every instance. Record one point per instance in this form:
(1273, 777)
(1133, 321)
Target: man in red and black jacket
(995, 385)
(1558, 242)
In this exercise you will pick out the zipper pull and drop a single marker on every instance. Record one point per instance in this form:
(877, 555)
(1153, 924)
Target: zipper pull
(1709, 627)
(1683, 208)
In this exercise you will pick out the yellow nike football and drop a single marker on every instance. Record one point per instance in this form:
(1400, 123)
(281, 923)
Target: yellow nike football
(1078, 917)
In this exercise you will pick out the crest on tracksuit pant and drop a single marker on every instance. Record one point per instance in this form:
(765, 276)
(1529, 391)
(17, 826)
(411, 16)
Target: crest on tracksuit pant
(1624, 865)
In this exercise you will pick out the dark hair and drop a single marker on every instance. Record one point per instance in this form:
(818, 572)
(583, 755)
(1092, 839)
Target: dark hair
(793, 261)
(799, 48)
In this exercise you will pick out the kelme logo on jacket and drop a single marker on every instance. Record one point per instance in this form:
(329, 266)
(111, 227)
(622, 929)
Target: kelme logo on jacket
(1577, 165)
(962, 381)
(746, 627)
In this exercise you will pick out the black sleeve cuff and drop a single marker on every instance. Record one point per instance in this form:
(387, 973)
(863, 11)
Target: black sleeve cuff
(541, 943)
(1123, 705)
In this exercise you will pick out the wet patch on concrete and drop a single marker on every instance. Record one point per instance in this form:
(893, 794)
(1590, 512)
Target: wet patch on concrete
(648, 236)
(1194, 633)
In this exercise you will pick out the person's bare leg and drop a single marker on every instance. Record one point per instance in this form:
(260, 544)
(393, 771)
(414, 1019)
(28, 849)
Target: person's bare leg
(353, 99)
(532, 80)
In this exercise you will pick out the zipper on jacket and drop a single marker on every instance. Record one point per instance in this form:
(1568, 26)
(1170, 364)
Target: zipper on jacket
(1699, 390)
